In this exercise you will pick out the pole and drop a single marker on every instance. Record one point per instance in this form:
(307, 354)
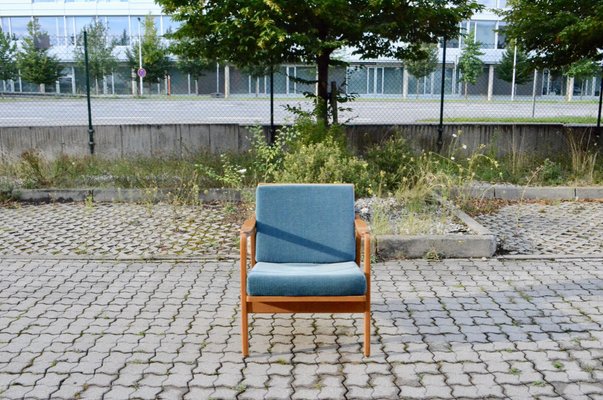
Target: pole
(600, 104)
(272, 130)
(534, 93)
(440, 141)
(140, 58)
(514, 69)
(90, 128)
(333, 99)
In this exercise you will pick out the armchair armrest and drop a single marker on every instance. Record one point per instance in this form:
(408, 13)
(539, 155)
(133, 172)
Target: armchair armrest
(363, 231)
(248, 227)
(362, 227)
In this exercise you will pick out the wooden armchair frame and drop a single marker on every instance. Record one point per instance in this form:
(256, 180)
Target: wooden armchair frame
(305, 304)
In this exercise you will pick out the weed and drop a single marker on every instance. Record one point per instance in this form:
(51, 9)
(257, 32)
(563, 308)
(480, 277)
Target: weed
(432, 255)
(240, 388)
(583, 156)
(34, 169)
(89, 201)
(515, 371)
(524, 295)
(558, 364)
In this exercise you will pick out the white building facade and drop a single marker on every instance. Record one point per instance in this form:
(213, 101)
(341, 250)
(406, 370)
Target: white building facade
(63, 20)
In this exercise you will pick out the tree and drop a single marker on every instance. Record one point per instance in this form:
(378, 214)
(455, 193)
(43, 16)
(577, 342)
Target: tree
(36, 65)
(155, 58)
(583, 70)
(101, 60)
(8, 52)
(523, 68)
(423, 63)
(254, 32)
(470, 64)
(557, 33)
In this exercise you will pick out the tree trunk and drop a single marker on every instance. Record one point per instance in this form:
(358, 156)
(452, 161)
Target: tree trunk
(42, 88)
(257, 87)
(466, 84)
(417, 88)
(323, 88)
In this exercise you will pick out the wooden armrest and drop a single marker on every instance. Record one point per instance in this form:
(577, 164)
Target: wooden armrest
(362, 227)
(248, 227)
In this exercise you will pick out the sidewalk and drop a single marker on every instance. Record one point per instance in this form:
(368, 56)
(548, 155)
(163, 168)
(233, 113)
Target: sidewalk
(79, 320)
(454, 328)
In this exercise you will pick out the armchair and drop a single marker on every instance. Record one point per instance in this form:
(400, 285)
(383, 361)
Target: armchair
(305, 256)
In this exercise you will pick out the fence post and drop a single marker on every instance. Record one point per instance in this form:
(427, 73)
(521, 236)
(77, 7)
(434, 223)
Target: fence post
(333, 99)
(90, 128)
(440, 141)
(534, 93)
(600, 104)
(272, 130)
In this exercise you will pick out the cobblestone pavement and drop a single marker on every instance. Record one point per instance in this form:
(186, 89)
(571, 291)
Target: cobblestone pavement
(573, 228)
(454, 328)
(117, 229)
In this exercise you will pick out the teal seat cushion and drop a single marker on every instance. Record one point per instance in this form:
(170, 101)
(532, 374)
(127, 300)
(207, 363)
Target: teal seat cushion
(305, 223)
(300, 279)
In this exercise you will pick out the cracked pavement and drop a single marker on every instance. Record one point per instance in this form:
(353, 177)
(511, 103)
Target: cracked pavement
(478, 329)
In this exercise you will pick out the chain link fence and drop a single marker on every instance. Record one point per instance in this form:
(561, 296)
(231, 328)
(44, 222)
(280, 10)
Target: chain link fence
(384, 93)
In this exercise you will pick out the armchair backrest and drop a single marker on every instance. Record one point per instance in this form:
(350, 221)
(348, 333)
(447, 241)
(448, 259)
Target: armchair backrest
(305, 223)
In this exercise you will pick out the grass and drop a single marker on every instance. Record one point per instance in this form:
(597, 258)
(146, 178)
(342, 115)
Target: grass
(33, 171)
(550, 120)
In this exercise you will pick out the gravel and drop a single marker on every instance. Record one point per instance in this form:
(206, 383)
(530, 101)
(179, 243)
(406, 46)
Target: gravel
(435, 220)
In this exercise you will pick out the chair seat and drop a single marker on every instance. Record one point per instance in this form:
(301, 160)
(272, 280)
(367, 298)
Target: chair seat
(297, 279)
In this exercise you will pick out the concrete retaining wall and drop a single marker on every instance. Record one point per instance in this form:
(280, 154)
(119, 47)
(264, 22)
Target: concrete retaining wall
(114, 141)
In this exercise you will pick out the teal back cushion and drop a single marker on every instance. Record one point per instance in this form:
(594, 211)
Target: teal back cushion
(305, 223)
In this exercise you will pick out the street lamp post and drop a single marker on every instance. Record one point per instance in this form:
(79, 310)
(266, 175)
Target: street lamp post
(139, 58)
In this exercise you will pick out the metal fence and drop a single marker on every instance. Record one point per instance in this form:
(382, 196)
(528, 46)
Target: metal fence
(384, 92)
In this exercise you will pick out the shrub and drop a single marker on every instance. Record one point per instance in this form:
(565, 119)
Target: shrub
(268, 158)
(325, 162)
(34, 170)
(390, 160)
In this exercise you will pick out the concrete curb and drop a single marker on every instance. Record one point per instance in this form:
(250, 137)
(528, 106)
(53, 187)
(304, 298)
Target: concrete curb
(481, 244)
(386, 247)
(93, 257)
(517, 193)
(118, 195)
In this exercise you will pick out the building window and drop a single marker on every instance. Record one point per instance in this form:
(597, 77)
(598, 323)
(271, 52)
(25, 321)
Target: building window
(488, 3)
(501, 36)
(465, 29)
(169, 25)
(484, 33)
(18, 26)
(134, 22)
(54, 27)
(119, 30)
(4, 24)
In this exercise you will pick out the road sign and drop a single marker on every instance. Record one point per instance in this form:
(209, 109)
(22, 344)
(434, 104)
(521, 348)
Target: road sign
(141, 72)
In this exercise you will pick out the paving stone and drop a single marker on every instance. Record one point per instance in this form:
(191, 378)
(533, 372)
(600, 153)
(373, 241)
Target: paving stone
(111, 229)
(547, 229)
(537, 295)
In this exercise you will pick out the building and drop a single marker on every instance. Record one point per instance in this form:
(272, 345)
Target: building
(63, 20)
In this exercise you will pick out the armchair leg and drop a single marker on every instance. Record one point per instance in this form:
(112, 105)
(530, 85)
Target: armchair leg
(244, 330)
(367, 333)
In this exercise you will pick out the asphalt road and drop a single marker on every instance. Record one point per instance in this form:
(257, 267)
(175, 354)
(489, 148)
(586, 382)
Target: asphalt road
(69, 111)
